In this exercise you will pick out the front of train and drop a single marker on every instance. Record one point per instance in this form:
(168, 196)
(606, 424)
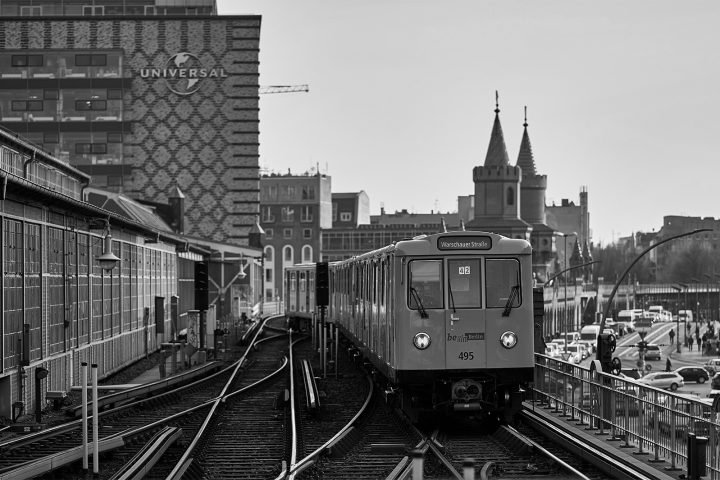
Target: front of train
(468, 312)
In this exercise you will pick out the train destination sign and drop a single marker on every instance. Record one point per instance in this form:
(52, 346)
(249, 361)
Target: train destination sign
(465, 243)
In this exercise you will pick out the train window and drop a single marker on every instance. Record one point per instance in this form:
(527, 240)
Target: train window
(464, 283)
(502, 282)
(425, 284)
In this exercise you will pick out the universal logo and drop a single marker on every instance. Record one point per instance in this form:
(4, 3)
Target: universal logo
(183, 73)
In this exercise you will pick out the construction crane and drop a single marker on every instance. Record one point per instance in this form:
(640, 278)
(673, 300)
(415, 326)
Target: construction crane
(283, 89)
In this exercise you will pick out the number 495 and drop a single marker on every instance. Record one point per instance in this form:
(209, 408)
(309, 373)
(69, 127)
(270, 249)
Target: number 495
(466, 356)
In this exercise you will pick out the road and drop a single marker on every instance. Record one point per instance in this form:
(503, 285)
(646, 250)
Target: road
(627, 352)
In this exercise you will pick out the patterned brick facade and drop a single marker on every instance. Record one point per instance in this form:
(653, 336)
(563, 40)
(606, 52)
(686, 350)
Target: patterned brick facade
(206, 142)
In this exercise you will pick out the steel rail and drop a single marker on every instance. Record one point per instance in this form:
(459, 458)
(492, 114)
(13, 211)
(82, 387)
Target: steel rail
(308, 460)
(183, 462)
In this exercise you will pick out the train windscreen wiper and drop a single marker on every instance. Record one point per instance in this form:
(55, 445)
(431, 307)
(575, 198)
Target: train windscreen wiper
(421, 307)
(452, 299)
(514, 291)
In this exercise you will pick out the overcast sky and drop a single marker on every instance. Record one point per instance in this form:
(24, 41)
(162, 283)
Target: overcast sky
(623, 98)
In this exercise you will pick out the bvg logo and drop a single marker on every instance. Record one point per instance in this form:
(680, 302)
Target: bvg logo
(183, 73)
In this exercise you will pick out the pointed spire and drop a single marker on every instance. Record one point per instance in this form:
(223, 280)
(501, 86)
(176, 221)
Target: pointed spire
(576, 258)
(497, 152)
(525, 157)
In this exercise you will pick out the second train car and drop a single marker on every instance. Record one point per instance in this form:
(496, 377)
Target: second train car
(446, 318)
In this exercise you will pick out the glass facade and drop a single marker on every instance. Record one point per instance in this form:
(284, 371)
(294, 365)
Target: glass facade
(70, 102)
(106, 7)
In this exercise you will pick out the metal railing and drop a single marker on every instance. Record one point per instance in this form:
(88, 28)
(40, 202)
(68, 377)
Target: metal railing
(649, 420)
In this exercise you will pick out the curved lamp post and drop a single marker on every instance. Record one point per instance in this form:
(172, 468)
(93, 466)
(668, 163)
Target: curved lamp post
(619, 281)
(549, 280)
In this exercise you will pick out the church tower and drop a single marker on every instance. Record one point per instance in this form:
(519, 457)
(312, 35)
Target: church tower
(497, 189)
(533, 187)
(532, 207)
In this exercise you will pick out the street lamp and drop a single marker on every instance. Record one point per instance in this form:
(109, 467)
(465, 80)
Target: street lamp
(627, 270)
(565, 267)
(677, 309)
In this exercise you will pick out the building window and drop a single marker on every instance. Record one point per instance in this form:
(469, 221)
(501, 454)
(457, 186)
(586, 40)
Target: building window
(290, 192)
(114, 137)
(510, 196)
(287, 232)
(306, 213)
(307, 232)
(308, 192)
(346, 216)
(30, 11)
(114, 180)
(268, 275)
(26, 61)
(287, 214)
(91, 59)
(267, 216)
(27, 105)
(269, 233)
(150, 10)
(114, 94)
(269, 254)
(85, 105)
(335, 210)
(288, 254)
(93, 10)
(86, 148)
(306, 254)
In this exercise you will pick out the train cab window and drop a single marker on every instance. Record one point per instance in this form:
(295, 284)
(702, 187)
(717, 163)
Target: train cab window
(464, 283)
(425, 284)
(502, 283)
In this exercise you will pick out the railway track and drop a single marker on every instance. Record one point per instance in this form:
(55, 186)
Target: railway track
(126, 427)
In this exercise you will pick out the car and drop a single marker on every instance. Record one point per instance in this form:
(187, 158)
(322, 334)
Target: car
(652, 352)
(588, 348)
(693, 374)
(633, 373)
(715, 382)
(671, 380)
(712, 365)
(576, 352)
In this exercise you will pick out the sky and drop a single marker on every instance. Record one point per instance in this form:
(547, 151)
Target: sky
(623, 99)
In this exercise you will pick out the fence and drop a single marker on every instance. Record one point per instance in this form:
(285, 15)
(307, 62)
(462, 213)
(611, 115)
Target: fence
(650, 420)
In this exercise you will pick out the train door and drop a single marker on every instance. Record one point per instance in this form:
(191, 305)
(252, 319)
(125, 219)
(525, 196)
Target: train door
(465, 322)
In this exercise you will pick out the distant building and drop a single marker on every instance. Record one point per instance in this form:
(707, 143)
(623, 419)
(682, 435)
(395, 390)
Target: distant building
(144, 96)
(294, 210)
(350, 209)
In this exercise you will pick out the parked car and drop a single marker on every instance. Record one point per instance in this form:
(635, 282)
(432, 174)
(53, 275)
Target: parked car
(577, 353)
(633, 373)
(652, 352)
(671, 380)
(589, 346)
(693, 374)
(712, 365)
(715, 382)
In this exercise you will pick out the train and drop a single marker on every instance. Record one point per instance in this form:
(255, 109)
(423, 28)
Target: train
(447, 319)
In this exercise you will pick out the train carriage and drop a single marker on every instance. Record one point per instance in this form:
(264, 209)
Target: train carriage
(299, 298)
(446, 318)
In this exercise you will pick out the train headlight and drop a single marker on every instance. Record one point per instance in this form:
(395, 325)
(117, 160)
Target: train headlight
(508, 339)
(421, 340)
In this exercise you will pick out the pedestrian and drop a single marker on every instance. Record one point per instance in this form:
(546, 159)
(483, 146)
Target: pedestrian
(671, 334)
(668, 365)
(691, 340)
(699, 344)
(697, 330)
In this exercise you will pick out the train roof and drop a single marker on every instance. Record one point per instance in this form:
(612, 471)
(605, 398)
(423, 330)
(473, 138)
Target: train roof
(460, 241)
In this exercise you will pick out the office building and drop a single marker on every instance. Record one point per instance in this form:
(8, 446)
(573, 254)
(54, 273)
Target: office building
(146, 97)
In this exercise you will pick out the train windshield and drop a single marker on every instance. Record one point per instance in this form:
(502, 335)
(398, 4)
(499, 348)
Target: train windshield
(464, 283)
(425, 285)
(502, 283)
